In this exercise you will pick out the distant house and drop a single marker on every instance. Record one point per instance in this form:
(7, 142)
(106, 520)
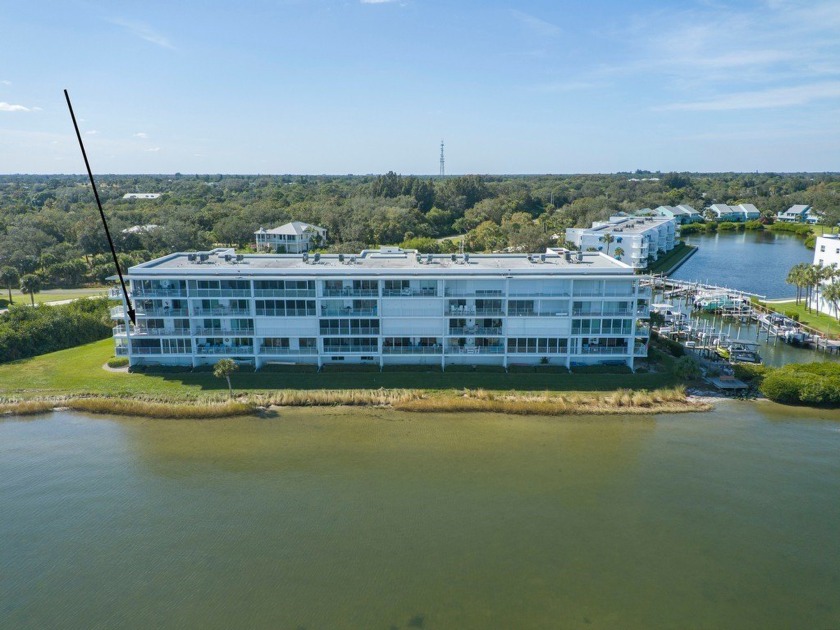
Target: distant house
(141, 195)
(735, 214)
(798, 214)
(292, 238)
(141, 229)
(682, 214)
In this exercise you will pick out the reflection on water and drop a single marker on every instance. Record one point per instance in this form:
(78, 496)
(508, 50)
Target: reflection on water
(357, 519)
(754, 261)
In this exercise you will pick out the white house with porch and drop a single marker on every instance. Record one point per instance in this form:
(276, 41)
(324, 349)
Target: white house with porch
(295, 237)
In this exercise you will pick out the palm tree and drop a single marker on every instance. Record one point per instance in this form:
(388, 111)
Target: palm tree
(608, 238)
(31, 284)
(810, 277)
(223, 369)
(9, 276)
(794, 277)
(826, 276)
(831, 294)
(619, 252)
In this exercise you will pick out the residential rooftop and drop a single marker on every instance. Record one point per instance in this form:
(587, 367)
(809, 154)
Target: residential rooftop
(385, 260)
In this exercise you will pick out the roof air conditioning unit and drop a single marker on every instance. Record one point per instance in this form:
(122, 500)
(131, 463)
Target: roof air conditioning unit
(341, 258)
(466, 258)
(428, 259)
(240, 257)
(542, 258)
(305, 257)
(228, 257)
(454, 258)
(317, 257)
(191, 257)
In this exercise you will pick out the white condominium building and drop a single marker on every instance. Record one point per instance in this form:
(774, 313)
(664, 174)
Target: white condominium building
(633, 240)
(387, 306)
(826, 254)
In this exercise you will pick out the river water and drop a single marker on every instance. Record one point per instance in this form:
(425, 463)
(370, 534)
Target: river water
(375, 519)
(754, 261)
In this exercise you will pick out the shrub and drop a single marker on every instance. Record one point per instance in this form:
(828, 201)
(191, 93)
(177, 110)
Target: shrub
(692, 228)
(117, 362)
(754, 225)
(686, 368)
(816, 384)
(749, 372)
(728, 226)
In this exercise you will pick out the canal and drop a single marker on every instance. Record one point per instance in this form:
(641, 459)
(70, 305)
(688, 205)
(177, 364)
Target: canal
(754, 261)
(374, 519)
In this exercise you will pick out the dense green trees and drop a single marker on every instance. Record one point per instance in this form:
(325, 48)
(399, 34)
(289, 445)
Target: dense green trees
(30, 284)
(49, 226)
(27, 332)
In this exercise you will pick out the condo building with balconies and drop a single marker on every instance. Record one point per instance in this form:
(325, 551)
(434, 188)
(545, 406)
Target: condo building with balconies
(384, 307)
(635, 240)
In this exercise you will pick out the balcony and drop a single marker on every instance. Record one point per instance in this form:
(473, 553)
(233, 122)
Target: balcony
(618, 350)
(351, 332)
(640, 350)
(142, 331)
(137, 292)
(584, 313)
(223, 349)
(289, 312)
(115, 293)
(475, 350)
(224, 332)
(435, 349)
(423, 292)
(163, 312)
(537, 294)
(118, 312)
(479, 293)
(206, 293)
(221, 311)
(121, 351)
(290, 293)
(346, 311)
(624, 312)
(518, 312)
(267, 350)
(146, 351)
(475, 330)
(350, 292)
(351, 350)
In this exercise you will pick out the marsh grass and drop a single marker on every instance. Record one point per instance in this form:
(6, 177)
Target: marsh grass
(623, 401)
(26, 407)
(147, 409)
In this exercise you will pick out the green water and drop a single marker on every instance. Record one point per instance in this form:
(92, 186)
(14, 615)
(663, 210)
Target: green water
(333, 519)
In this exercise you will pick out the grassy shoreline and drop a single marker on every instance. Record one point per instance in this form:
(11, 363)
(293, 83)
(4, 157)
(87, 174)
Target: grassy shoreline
(620, 402)
(75, 379)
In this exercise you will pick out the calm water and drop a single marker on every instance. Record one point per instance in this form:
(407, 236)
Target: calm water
(382, 520)
(757, 262)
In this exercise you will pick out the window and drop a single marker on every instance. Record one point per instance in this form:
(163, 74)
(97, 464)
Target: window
(822, 248)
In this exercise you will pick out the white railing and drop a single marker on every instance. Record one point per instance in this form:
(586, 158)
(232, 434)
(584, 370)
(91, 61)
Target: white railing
(287, 351)
(436, 349)
(475, 350)
(351, 332)
(202, 349)
(352, 350)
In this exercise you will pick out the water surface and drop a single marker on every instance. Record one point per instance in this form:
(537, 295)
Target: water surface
(360, 519)
(754, 261)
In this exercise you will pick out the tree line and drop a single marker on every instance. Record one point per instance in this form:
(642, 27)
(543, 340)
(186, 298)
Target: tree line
(50, 229)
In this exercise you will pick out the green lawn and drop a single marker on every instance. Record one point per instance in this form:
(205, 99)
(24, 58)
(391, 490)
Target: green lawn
(670, 259)
(79, 371)
(49, 295)
(822, 322)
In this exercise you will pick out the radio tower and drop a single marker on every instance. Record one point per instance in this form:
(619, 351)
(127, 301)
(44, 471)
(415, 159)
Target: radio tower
(442, 171)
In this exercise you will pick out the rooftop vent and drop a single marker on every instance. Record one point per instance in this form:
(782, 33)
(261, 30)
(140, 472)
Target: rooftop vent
(568, 255)
(454, 258)
(352, 260)
(542, 258)
(466, 258)
(192, 257)
(305, 257)
(341, 258)
(240, 257)
(228, 258)
(317, 257)
(428, 259)
(578, 256)
(204, 257)
(530, 258)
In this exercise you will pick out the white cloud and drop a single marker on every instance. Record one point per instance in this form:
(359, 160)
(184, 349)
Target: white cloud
(537, 25)
(8, 107)
(762, 99)
(141, 134)
(4, 82)
(153, 149)
(376, 1)
(92, 132)
(144, 31)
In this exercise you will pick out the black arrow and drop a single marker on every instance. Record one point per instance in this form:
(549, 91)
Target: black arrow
(131, 314)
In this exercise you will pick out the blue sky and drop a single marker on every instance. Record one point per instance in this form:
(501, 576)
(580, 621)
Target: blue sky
(363, 86)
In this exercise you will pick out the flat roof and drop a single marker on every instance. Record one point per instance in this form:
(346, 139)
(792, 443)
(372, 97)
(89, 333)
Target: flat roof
(629, 225)
(379, 262)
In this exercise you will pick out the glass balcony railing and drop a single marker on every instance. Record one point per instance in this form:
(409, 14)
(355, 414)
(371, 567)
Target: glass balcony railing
(224, 332)
(292, 293)
(435, 349)
(619, 350)
(351, 349)
(410, 292)
(350, 332)
(350, 292)
(287, 351)
(475, 330)
(223, 349)
(222, 311)
(475, 350)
